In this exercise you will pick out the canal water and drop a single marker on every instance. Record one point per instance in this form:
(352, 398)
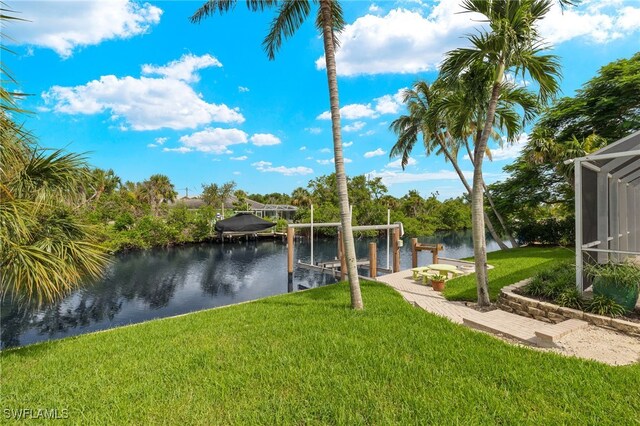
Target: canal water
(158, 283)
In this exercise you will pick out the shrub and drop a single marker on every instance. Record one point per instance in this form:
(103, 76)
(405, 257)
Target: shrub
(552, 231)
(603, 305)
(124, 221)
(570, 298)
(535, 288)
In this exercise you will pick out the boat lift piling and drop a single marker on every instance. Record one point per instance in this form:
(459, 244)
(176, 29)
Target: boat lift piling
(416, 247)
(338, 267)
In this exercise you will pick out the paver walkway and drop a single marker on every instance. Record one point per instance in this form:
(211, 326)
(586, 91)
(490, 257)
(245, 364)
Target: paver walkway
(527, 330)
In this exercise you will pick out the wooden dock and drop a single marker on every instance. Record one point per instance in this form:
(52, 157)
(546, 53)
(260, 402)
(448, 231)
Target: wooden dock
(332, 267)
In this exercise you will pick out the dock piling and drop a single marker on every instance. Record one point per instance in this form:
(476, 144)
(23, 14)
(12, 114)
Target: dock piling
(414, 253)
(396, 249)
(373, 260)
(290, 235)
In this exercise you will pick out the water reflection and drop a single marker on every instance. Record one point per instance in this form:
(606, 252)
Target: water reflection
(158, 283)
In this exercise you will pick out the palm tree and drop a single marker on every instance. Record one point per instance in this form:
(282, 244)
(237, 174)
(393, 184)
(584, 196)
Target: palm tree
(544, 149)
(436, 112)
(45, 250)
(301, 197)
(512, 44)
(330, 22)
(156, 190)
(466, 104)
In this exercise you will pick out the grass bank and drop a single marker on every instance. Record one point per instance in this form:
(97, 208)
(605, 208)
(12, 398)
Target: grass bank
(511, 266)
(306, 358)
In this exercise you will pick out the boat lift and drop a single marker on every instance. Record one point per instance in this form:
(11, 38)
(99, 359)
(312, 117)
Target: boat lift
(338, 266)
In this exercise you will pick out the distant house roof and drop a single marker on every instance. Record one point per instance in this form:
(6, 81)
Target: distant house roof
(191, 203)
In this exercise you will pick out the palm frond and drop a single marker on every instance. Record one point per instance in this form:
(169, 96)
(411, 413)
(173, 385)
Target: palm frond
(291, 15)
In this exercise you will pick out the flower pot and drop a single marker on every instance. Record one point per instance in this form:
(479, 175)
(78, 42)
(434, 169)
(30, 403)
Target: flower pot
(437, 285)
(625, 295)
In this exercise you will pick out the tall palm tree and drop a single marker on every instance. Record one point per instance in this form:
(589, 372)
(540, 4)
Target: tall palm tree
(512, 44)
(330, 22)
(466, 104)
(435, 113)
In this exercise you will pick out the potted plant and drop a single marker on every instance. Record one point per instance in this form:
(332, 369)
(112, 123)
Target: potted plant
(437, 282)
(618, 281)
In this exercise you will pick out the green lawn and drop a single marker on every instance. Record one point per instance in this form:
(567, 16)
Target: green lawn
(511, 266)
(306, 358)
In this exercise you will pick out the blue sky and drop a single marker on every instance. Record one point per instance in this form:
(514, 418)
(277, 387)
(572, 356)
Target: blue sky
(143, 91)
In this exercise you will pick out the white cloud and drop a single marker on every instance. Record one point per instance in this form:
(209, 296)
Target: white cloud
(390, 177)
(397, 164)
(509, 151)
(241, 158)
(309, 158)
(314, 130)
(411, 41)
(161, 141)
(237, 173)
(216, 141)
(184, 68)
(325, 150)
(354, 127)
(333, 161)
(65, 26)
(595, 21)
(402, 41)
(368, 133)
(266, 166)
(378, 152)
(243, 89)
(390, 104)
(347, 144)
(374, 8)
(182, 149)
(151, 145)
(351, 112)
(142, 103)
(264, 139)
(303, 148)
(386, 104)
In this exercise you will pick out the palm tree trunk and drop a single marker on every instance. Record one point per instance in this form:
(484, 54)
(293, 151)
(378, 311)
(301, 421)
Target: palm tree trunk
(506, 229)
(477, 200)
(463, 179)
(341, 177)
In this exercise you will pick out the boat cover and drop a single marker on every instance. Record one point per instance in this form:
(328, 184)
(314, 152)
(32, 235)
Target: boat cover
(243, 222)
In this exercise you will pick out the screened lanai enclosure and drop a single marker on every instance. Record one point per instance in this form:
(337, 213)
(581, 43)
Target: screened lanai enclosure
(607, 205)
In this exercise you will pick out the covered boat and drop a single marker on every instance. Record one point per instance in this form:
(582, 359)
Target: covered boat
(243, 223)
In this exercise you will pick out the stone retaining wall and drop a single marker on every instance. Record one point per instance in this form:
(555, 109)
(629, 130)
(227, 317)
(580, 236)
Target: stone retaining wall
(548, 312)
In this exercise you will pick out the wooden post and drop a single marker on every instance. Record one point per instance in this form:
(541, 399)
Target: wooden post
(341, 258)
(434, 252)
(373, 260)
(396, 249)
(414, 253)
(290, 235)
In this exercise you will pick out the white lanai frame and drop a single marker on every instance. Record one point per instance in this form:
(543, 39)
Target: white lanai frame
(607, 204)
